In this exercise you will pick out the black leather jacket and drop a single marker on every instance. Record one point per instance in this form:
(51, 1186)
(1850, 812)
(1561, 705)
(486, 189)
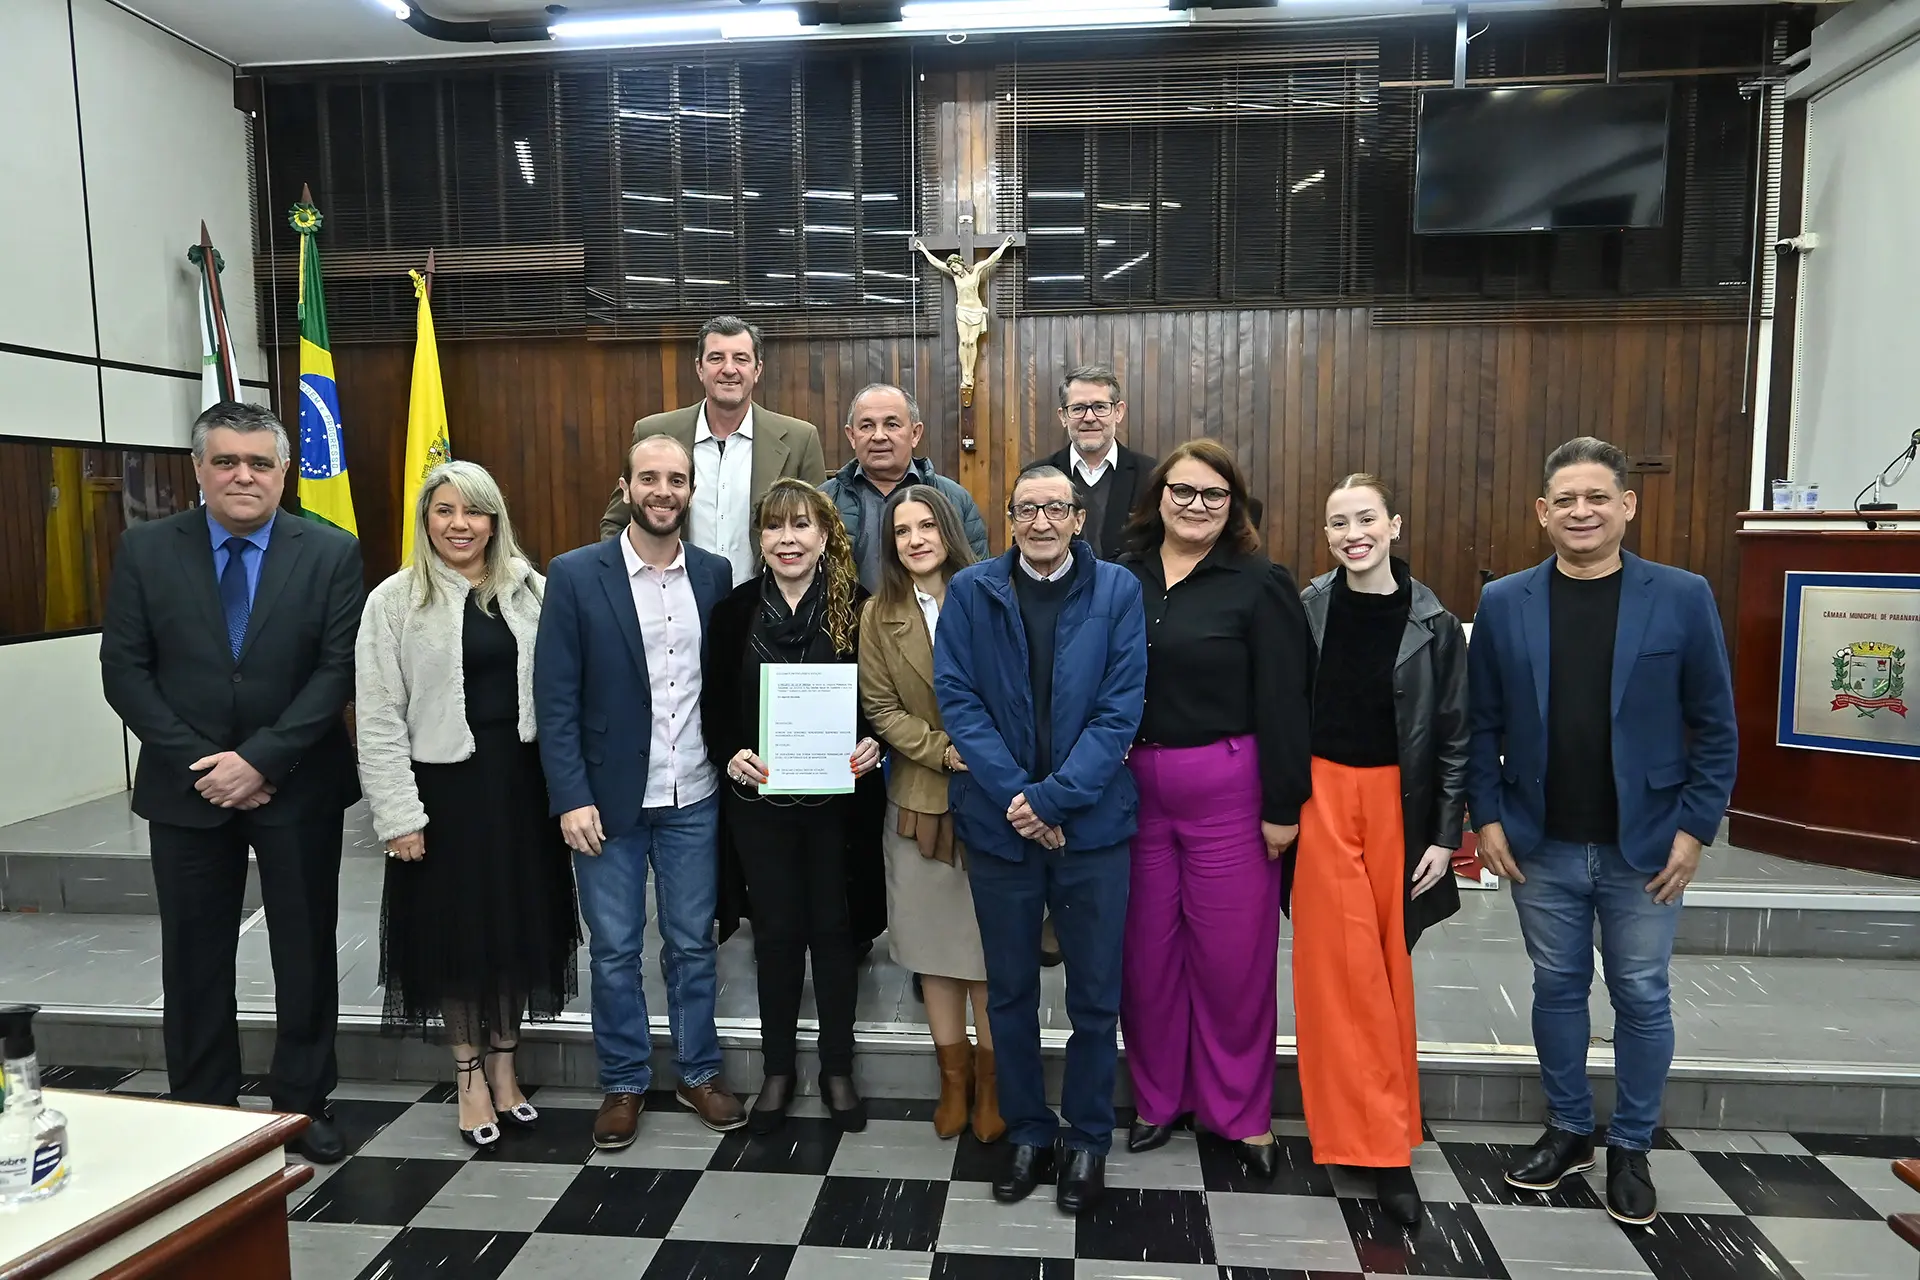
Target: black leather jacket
(1430, 705)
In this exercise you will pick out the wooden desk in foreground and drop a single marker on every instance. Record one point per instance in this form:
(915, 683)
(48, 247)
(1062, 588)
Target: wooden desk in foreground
(160, 1191)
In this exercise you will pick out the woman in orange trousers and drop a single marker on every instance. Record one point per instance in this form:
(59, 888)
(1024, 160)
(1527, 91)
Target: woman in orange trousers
(1373, 866)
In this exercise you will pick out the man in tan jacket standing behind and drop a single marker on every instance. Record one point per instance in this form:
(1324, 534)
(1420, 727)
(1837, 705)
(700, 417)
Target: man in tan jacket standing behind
(739, 448)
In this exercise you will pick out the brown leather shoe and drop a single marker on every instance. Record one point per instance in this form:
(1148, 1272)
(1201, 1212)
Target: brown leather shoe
(956, 1080)
(717, 1109)
(987, 1124)
(618, 1121)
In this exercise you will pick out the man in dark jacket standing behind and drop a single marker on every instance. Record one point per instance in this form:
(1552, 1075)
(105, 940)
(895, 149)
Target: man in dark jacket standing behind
(884, 428)
(228, 650)
(1040, 668)
(1108, 478)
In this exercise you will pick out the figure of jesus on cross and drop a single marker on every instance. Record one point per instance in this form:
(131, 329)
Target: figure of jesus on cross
(970, 298)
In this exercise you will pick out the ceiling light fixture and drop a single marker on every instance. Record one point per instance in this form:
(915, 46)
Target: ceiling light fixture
(957, 15)
(759, 25)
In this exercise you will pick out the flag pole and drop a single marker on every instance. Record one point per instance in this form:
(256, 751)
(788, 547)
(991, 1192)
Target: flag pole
(428, 274)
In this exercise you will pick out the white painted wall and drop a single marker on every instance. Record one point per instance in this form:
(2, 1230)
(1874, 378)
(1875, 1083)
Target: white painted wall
(118, 140)
(164, 150)
(64, 744)
(1856, 378)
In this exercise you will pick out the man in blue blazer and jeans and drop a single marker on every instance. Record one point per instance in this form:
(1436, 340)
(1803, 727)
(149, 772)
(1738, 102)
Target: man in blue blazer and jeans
(616, 683)
(1602, 758)
(1040, 668)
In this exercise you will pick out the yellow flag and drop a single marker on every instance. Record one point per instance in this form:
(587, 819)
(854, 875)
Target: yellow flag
(427, 443)
(68, 606)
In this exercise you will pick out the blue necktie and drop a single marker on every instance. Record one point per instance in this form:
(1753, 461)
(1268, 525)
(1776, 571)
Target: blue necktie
(234, 599)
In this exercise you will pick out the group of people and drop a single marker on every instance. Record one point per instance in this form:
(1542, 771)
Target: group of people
(1132, 730)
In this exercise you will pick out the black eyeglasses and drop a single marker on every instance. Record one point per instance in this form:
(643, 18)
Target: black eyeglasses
(1212, 498)
(1024, 512)
(1095, 409)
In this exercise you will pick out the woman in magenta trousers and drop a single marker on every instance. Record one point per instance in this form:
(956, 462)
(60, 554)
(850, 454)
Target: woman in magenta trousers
(1222, 767)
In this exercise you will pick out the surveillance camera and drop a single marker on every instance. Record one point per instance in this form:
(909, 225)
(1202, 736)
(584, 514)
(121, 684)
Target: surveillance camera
(1805, 242)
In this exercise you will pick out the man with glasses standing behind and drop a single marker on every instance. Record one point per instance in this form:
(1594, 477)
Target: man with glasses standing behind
(1108, 478)
(1040, 669)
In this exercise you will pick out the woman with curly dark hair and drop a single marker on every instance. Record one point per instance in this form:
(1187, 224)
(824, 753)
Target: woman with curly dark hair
(804, 606)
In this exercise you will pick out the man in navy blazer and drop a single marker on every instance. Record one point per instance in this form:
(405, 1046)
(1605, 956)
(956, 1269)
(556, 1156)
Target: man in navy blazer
(1602, 759)
(616, 682)
(1040, 668)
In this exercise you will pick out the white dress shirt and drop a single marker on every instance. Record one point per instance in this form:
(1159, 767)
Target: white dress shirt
(1066, 567)
(722, 516)
(678, 772)
(1092, 473)
(929, 610)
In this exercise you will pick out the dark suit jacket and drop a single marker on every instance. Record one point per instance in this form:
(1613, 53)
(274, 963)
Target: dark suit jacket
(1674, 741)
(782, 446)
(592, 696)
(1130, 473)
(171, 675)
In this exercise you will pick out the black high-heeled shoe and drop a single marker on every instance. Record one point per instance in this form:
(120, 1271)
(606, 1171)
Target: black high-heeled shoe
(844, 1103)
(770, 1105)
(1142, 1136)
(481, 1136)
(1259, 1159)
(523, 1114)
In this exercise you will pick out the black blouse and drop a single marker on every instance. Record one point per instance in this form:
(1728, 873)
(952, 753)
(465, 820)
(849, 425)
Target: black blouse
(490, 664)
(1229, 654)
(1354, 722)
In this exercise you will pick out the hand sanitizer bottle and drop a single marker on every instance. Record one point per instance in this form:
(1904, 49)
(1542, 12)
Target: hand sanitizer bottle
(33, 1136)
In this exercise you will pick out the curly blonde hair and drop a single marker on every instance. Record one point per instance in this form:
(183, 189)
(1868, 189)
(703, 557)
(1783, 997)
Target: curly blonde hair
(788, 497)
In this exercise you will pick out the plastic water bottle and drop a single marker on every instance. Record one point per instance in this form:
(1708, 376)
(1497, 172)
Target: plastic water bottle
(33, 1136)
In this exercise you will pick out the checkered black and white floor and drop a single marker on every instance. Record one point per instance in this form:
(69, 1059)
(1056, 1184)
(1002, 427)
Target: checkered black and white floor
(810, 1203)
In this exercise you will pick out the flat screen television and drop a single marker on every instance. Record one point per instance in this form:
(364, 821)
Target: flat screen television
(1559, 158)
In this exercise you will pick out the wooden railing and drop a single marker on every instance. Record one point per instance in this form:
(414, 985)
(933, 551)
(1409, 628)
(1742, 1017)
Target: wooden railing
(1907, 1225)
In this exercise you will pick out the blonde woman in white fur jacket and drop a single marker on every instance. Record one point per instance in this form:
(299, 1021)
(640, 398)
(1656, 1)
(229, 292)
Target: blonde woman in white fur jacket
(478, 927)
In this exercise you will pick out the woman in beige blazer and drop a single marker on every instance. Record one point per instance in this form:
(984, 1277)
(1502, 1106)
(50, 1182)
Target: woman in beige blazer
(931, 926)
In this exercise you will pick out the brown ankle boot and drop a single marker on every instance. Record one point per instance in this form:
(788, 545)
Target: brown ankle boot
(956, 1075)
(987, 1124)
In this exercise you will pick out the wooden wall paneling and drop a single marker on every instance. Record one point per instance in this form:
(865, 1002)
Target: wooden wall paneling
(1457, 418)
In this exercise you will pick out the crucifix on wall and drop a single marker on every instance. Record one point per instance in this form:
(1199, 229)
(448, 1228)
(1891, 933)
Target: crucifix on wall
(970, 288)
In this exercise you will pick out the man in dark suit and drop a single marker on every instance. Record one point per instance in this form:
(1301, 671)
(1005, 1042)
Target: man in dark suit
(617, 677)
(1602, 759)
(739, 448)
(1108, 478)
(228, 651)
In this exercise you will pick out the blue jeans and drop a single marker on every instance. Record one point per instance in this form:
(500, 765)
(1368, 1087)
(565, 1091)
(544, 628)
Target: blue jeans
(1568, 887)
(613, 901)
(1087, 892)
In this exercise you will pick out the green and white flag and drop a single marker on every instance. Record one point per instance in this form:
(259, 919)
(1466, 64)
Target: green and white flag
(217, 378)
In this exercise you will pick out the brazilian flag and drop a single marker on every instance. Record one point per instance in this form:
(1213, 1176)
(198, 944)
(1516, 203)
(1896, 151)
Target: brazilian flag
(325, 494)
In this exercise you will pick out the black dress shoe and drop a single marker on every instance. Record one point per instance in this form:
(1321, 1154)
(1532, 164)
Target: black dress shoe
(1259, 1159)
(1029, 1167)
(1083, 1176)
(1398, 1195)
(321, 1142)
(1630, 1196)
(1557, 1154)
(1142, 1136)
(770, 1105)
(844, 1104)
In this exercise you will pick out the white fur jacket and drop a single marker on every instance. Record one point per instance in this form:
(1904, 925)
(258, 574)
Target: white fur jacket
(410, 699)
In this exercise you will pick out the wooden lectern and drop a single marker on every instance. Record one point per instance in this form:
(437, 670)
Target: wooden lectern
(1841, 809)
